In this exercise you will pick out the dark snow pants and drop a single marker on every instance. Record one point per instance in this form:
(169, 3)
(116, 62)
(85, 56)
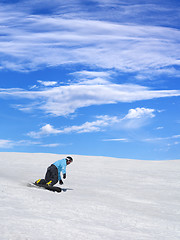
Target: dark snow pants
(51, 176)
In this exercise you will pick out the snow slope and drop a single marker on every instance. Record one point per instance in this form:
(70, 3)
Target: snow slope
(106, 199)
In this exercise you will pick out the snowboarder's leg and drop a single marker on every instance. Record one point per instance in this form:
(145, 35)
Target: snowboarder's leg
(48, 175)
(51, 177)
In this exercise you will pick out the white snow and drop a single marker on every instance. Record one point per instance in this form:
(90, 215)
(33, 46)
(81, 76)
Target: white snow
(107, 199)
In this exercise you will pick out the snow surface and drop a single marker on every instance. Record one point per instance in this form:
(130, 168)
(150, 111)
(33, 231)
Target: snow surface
(106, 199)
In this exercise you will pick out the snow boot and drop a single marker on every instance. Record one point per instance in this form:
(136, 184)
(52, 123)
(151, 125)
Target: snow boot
(40, 182)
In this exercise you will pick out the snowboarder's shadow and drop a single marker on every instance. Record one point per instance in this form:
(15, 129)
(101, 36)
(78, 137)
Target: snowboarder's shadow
(66, 189)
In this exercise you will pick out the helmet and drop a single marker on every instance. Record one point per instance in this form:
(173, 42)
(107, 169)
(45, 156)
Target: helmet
(69, 159)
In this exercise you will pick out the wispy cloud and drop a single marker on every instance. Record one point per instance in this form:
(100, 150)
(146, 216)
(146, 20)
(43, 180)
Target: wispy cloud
(159, 128)
(65, 100)
(95, 126)
(47, 83)
(134, 119)
(167, 141)
(51, 145)
(116, 140)
(4, 143)
(92, 74)
(144, 12)
(32, 41)
(9, 144)
(93, 77)
(162, 138)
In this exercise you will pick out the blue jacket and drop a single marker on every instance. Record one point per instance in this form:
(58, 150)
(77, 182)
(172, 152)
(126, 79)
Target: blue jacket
(61, 166)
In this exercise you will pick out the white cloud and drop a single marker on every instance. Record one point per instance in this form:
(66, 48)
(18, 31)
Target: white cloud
(47, 83)
(6, 143)
(44, 131)
(159, 128)
(162, 138)
(48, 129)
(176, 136)
(65, 100)
(95, 81)
(95, 126)
(116, 140)
(93, 77)
(140, 113)
(100, 124)
(51, 145)
(30, 42)
(92, 74)
(137, 118)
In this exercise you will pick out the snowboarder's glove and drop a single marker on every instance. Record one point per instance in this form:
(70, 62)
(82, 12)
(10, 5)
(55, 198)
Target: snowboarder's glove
(64, 175)
(60, 182)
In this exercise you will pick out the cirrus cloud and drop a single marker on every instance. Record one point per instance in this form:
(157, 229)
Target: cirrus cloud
(29, 42)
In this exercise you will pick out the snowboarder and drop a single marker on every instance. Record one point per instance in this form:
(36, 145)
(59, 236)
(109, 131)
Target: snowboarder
(54, 171)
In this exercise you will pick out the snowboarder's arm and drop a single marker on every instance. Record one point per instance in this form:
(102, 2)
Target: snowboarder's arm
(64, 171)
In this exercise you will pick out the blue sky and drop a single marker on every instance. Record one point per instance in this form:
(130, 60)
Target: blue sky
(96, 77)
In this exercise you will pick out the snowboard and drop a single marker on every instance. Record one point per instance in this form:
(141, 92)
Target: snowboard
(44, 186)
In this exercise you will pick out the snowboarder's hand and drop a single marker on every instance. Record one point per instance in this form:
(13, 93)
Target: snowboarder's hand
(60, 182)
(64, 175)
